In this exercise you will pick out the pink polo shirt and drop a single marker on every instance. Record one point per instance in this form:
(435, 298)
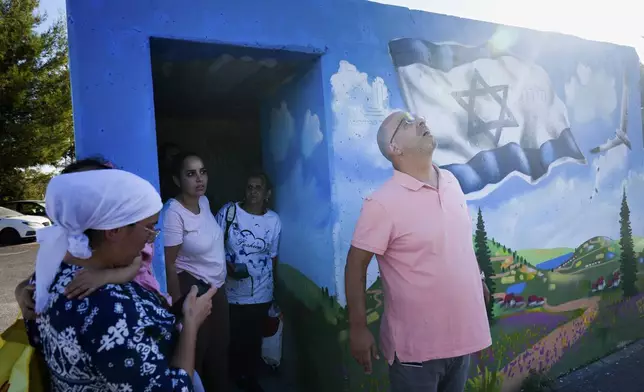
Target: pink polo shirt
(422, 238)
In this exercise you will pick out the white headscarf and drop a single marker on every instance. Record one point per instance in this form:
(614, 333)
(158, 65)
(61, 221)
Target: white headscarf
(76, 202)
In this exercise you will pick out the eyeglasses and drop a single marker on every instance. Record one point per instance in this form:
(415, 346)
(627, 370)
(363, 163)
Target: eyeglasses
(154, 233)
(408, 119)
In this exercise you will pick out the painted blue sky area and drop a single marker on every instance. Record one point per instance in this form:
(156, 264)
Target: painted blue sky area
(554, 263)
(516, 288)
(586, 76)
(561, 57)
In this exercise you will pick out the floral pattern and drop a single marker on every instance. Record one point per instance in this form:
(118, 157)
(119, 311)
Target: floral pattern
(118, 339)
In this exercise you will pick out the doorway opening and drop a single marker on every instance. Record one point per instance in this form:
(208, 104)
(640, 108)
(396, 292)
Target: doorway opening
(208, 100)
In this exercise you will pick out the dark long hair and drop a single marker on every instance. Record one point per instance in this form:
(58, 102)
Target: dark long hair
(93, 163)
(178, 160)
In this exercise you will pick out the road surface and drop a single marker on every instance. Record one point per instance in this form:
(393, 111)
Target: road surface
(620, 372)
(16, 263)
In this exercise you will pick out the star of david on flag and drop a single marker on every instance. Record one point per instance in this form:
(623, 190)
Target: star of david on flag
(492, 115)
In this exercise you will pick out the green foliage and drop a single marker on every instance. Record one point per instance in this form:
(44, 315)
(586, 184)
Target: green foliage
(628, 263)
(24, 184)
(537, 382)
(35, 102)
(484, 259)
(486, 380)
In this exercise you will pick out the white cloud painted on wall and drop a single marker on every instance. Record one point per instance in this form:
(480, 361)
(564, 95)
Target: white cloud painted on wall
(352, 193)
(311, 133)
(359, 107)
(562, 213)
(312, 231)
(282, 123)
(590, 94)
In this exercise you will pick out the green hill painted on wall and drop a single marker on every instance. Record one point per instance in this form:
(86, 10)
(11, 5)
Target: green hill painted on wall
(310, 294)
(598, 252)
(592, 253)
(537, 256)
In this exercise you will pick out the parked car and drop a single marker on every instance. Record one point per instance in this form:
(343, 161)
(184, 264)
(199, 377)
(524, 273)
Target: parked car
(27, 207)
(15, 226)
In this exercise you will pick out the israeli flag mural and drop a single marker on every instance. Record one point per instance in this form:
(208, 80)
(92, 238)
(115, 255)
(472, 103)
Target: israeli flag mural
(492, 114)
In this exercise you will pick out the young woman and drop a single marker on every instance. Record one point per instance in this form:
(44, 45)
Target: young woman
(121, 336)
(252, 234)
(194, 255)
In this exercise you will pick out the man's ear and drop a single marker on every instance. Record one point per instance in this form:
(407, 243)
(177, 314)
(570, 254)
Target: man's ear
(269, 193)
(176, 181)
(394, 150)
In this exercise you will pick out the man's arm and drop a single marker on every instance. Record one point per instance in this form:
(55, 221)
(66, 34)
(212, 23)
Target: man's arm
(372, 235)
(355, 283)
(363, 345)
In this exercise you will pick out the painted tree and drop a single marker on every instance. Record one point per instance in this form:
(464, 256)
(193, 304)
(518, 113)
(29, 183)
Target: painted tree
(485, 260)
(628, 263)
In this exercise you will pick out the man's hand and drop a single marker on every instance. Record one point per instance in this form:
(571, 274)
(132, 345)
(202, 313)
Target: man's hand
(363, 347)
(25, 299)
(85, 282)
(486, 292)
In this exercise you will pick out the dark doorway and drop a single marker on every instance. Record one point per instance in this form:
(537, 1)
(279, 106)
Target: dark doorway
(208, 99)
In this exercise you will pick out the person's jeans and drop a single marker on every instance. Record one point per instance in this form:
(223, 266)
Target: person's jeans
(211, 357)
(439, 375)
(246, 327)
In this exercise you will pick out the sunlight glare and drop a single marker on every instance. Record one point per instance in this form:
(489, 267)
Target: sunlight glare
(617, 21)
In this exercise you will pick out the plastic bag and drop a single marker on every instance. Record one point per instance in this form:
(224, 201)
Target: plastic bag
(272, 343)
(20, 367)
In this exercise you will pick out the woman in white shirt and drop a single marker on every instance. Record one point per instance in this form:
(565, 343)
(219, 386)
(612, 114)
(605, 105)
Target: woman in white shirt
(252, 233)
(194, 255)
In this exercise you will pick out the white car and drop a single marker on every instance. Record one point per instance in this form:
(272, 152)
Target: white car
(15, 226)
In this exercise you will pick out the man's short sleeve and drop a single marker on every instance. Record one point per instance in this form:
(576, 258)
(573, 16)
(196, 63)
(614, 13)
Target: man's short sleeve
(374, 229)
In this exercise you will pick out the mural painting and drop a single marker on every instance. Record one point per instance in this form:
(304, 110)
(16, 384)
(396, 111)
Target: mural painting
(548, 156)
(542, 130)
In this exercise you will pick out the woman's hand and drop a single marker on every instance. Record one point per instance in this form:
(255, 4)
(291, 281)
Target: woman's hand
(85, 282)
(25, 299)
(196, 309)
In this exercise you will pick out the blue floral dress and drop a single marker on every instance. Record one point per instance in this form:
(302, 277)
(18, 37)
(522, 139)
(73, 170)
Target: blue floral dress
(120, 338)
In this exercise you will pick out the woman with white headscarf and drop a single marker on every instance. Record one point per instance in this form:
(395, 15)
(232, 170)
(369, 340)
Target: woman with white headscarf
(121, 337)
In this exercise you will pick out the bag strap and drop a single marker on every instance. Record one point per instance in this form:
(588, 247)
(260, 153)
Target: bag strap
(231, 213)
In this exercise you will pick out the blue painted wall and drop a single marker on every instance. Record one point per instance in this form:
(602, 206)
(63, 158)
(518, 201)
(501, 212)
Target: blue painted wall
(319, 145)
(296, 155)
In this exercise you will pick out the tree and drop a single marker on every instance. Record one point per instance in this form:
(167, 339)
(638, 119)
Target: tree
(485, 261)
(35, 102)
(628, 263)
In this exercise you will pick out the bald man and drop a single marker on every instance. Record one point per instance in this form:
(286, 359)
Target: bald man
(418, 227)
